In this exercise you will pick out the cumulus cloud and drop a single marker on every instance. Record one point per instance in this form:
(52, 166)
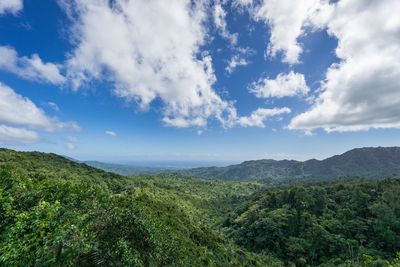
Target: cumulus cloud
(259, 116)
(10, 6)
(219, 15)
(148, 50)
(362, 91)
(18, 110)
(30, 68)
(16, 135)
(287, 20)
(111, 133)
(160, 60)
(291, 84)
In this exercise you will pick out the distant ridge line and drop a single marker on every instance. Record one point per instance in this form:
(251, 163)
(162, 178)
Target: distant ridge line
(366, 162)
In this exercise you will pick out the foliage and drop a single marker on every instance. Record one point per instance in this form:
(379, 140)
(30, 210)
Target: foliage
(55, 212)
(210, 200)
(348, 224)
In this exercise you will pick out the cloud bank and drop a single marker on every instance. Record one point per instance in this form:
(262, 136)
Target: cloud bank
(150, 50)
(362, 91)
(154, 51)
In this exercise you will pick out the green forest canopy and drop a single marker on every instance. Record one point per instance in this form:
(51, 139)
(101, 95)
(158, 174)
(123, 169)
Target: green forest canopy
(56, 212)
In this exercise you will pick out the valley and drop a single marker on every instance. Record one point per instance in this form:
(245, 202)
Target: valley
(54, 210)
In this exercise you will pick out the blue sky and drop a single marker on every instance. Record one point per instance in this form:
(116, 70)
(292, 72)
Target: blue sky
(210, 81)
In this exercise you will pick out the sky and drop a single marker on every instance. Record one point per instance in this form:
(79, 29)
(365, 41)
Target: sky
(212, 81)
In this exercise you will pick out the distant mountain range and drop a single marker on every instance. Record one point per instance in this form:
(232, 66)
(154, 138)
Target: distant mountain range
(150, 167)
(368, 162)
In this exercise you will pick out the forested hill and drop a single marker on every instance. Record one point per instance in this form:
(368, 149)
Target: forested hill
(371, 162)
(57, 212)
(356, 223)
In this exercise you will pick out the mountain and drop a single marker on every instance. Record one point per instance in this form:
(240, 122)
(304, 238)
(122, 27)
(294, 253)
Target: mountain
(58, 212)
(369, 162)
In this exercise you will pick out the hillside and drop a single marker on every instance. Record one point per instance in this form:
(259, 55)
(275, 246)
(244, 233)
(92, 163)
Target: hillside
(56, 212)
(377, 163)
(326, 224)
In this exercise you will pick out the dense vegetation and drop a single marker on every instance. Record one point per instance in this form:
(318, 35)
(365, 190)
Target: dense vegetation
(354, 224)
(377, 163)
(57, 212)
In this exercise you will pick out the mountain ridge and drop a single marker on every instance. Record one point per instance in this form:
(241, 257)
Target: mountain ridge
(367, 162)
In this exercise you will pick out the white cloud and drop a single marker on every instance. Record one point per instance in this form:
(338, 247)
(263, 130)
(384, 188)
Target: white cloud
(161, 60)
(181, 122)
(287, 20)
(16, 135)
(111, 133)
(236, 61)
(72, 142)
(256, 119)
(30, 68)
(18, 110)
(362, 91)
(53, 106)
(259, 116)
(291, 84)
(70, 125)
(71, 146)
(148, 50)
(219, 15)
(240, 58)
(11, 6)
